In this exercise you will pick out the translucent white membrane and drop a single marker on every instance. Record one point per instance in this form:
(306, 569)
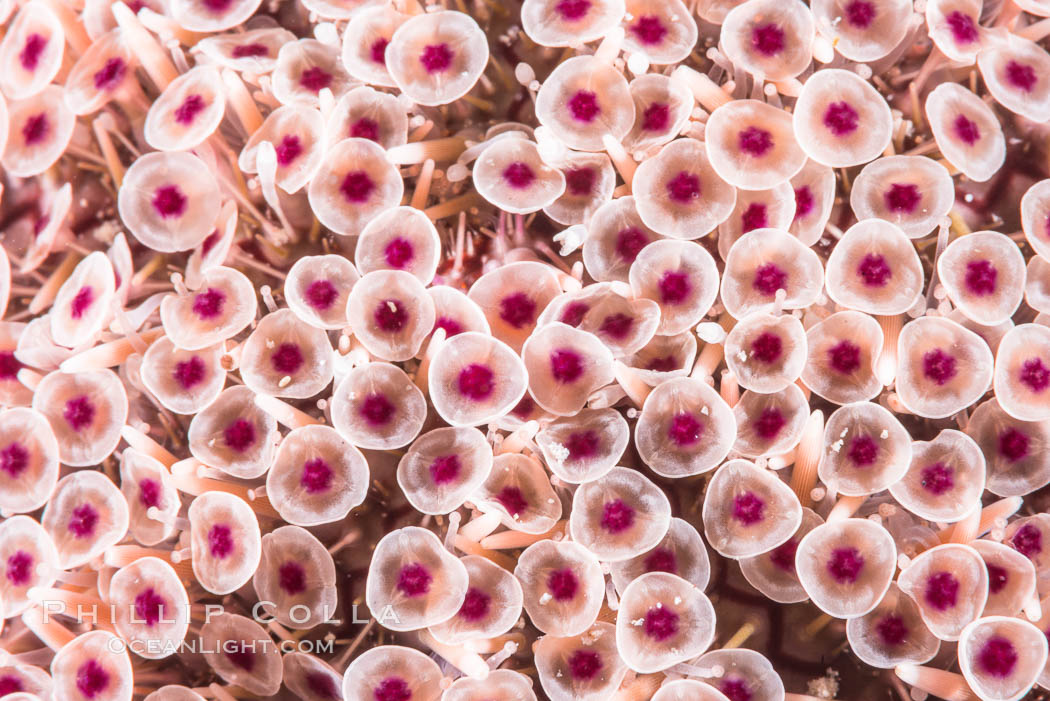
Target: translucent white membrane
(751, 145)
(661, 109)
(565, 366)
(770, 424)
(390, 313)
(582, 100)
(874, 269)
(317, 289)
(212, 16)
(1011, 578)
(1035, 217)
(416, 579)
(814, 187)
(367, 35)
(685, 428)
(474, 378)
(310, 678)
(519, 491)
(949, 583)
(954, 26)
(246, 659)
(317, 476)
(748, 510)
(1037, 284)
(100, 657)
(687, 690)
(945, 480)
(395, 670)
(1002, 657)
(621, 322)
(286, 357)
(770, 39)
(984, 276)
(745, 674)
(187, 112)
(664, 357)
(1016, 73)
(29, 460)
(86, 410)
(100, 74)
(304, 68)
(757, 209)
(369, 114)
(615, 237)
(296, 579)
(511, 175)
(589, 182)
(220, 308)
(169, 201)
(913, 192)
(841, 120)
(620, 516)
(183, 381)
(585, 446)
(967, 131)
(846, 566)
(338, 9)
(1039, 8)
(39, 129)
(512, 298)
(226, 542)
(31, 51)
(298, 137)
(842, 350)
(942, 367)
(491, 606)
(153, 501)
(354, 183)
(377, 407)
(580, 667)
(85, 516)
(662, 620)
(678, 192)
(680, 276)
(866, 449)
(34, 681)
(84, 303)
(253, 51)
(773, 572)
(862, 31)
(151, 610)
(456, 312)
(664, 31)
(892, 633)
(437, 58)
(992, 335)
(443, 467)
(234, 435)
(569, 23)
(766, 353)
(1022, 372)
(563, 586)
(1015, 450)
(504, 683)
(761, 263)
(681, 552)
(30, 560)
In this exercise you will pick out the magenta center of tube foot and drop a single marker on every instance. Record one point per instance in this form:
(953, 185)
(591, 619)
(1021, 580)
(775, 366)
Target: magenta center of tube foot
(768, 39)
(572, 10)
(769, 423)
(239, 436)
(660, 623)
(684, 188)
(189, 373)
(519, 175)
(767, 348)
(1013, 444)
(755, 141)
(937, 478)
(1028, 540)
(584, 106)
(860, 14)
(845, 564)
(841, 118)
(220, 541)
(476, 382)
(79, 413)
(582, 445)
(445, 469)
(377, 410)
(14, 459)
(316, 476)
(390, 316)
(617, 516)
(321, 295)
(939, 367)
(187, 112)
(1035, 375)
(684, 430)
(562, 584)
(83, 521)
(291, 578)
(748, 508)
(169, 202)
(414, 580)
(19, 568)
(92, 679)
(997, 657)
(566, 365)
(149, 607)
(649, 30)
(436, 58)
(942, 591)
(357, 187)
(518, 310)
(476, 605)
(209, 304)
(585, 665)
(769, 278)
